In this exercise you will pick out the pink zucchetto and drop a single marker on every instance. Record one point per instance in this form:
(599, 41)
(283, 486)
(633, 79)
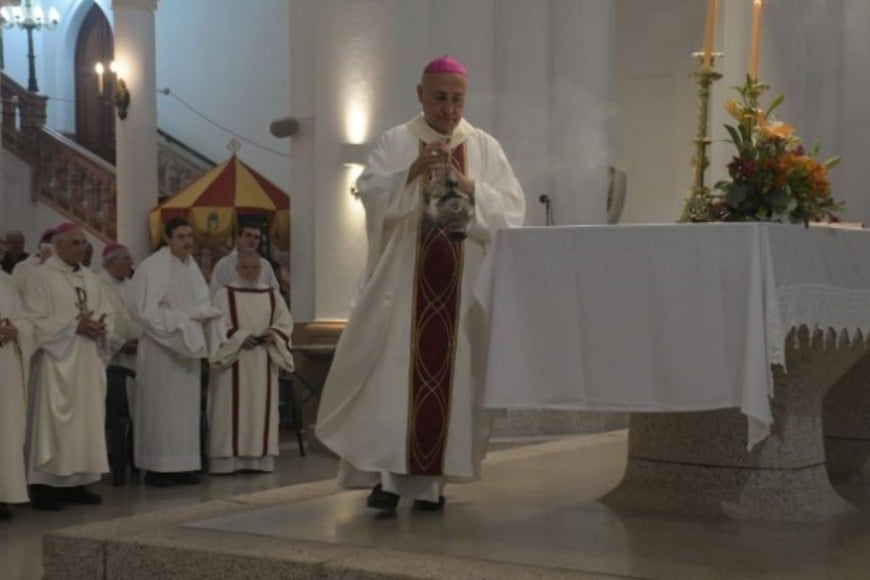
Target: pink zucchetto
(111, 248)
(445, 64)
(65, 228)
(46, 236)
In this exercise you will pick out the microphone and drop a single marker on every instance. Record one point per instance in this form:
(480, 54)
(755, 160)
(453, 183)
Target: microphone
(548, 208)
(284, 127)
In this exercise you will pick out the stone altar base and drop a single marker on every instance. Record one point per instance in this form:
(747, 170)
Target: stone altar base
(847, 424)
(698, 463)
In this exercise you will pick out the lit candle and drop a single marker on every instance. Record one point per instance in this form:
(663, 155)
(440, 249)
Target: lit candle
(756, 39)
(708, 32)
(98, 68)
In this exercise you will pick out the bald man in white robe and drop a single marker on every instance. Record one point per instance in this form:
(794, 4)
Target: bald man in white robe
(71, 317)
(243, 394)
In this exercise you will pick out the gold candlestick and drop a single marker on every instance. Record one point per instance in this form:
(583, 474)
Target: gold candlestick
(697, 204)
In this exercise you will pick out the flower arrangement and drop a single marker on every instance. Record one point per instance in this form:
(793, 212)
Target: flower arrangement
(773, 176)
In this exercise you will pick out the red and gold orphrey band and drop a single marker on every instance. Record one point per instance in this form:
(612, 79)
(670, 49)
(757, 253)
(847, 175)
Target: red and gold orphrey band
(437, 285)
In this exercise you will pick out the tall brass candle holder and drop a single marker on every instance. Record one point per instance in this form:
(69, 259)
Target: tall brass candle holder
(697, 204)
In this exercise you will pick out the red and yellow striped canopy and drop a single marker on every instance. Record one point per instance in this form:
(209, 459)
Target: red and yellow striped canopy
(214, 203)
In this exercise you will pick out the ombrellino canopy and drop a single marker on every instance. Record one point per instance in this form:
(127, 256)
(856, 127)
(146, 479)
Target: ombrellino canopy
(216, 202)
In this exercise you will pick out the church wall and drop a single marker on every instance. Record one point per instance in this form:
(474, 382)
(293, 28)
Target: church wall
(523, 86)
(655, 115)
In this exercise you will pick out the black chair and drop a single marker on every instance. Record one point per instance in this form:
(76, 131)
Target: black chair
(118, 421)
(288, 408)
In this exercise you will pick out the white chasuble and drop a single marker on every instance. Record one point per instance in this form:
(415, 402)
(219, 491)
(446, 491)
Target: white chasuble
(170, 302)
(243, 398)
(404, 391)
(14, 365)
(68, 382)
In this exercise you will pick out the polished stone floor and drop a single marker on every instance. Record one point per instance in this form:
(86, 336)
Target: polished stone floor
(21, 538)
(535, 506)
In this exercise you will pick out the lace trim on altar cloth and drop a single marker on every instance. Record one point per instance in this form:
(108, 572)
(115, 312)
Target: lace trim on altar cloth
(843, 316)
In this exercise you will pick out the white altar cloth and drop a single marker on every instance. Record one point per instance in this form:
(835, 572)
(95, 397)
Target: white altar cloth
(669, 317)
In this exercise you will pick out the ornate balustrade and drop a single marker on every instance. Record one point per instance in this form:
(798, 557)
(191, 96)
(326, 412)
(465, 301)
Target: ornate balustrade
(71, 179)
(76, 182)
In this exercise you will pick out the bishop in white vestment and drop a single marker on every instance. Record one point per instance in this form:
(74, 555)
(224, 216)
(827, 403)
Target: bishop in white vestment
(15, 350)
(170, 301)
(71, 317)
(243, 394)
(402, 404)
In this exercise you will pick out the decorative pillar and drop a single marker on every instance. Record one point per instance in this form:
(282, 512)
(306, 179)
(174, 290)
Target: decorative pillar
(136, 135)
(354, 54)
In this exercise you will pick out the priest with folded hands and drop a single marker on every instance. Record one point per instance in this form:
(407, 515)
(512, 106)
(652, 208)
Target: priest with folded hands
(71, 317)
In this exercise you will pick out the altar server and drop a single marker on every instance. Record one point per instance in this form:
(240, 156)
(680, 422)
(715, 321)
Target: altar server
(170, 301)
(243, 399)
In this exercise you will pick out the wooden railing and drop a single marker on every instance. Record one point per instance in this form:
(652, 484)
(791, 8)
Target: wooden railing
(76, 183)
(71, 179)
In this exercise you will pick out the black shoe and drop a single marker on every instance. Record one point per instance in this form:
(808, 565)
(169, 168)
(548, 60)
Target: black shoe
(79, 495)
(185, 478)
(421, 505)
(382, 500)
(45, 497)
(156, 479)
(5, 514)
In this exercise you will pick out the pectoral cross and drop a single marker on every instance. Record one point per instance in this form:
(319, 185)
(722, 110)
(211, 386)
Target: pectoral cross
(82, 302)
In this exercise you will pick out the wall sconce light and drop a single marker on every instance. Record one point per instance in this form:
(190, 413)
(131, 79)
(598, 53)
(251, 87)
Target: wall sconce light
(120, 92)
(354, 157)
(352, 154)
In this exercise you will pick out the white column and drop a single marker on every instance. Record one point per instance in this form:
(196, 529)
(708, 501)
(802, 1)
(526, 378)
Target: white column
(137, 134)
(354, 54)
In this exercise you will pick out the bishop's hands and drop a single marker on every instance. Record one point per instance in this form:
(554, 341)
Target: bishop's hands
(8, 331)
(435, 157)
(91, 328)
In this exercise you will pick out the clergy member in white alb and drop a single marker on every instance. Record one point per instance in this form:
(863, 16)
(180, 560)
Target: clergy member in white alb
(71, 317)
(15, 350)
(23, 268)
(170, 301)
(243, 398)
(402, 405)
(224, 272)
(124, 339)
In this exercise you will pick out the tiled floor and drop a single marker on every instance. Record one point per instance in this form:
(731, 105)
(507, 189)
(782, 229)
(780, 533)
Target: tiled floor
(21, 538)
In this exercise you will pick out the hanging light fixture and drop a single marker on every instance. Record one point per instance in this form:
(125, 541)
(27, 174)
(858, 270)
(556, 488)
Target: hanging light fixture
(30, 17)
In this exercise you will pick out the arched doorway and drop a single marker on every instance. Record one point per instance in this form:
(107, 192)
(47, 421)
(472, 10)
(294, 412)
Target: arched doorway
(95, 124)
